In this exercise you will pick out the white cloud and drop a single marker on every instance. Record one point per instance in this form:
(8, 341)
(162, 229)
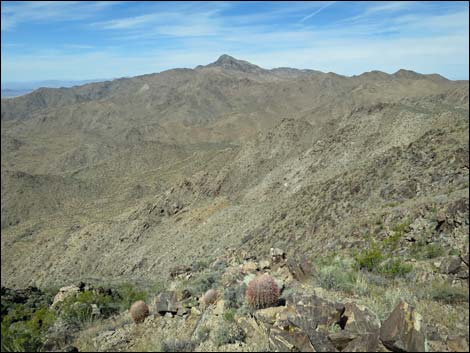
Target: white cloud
(16, 13)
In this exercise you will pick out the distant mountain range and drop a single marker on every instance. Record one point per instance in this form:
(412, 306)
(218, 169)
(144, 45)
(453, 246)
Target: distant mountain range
(15, 89)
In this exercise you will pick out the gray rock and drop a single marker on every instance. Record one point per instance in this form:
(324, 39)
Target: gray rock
(166, 302)
(451, 265)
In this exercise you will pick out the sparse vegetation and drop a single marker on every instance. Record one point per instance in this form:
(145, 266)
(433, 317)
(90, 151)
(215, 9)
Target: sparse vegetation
(445, 292)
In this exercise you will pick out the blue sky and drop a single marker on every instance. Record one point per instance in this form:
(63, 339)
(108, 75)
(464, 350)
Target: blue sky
(75, 40)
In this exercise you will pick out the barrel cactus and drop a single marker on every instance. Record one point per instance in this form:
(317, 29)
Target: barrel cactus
(139, 311)
(262, 292)
(209, 297)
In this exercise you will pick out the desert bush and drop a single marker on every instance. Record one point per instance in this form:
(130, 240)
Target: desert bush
(234, 296)
(139, 311)
(77, 311)
(228, 334)
(340, 277)
(127, 294)
(394, 268)
(421, 250)
(369, 259)
(262, 292)
(178, 346)
(204, 281)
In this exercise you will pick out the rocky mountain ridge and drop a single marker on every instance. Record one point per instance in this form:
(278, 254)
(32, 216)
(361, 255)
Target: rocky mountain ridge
(121, 181)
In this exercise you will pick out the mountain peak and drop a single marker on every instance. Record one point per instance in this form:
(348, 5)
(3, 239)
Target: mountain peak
(228, 62)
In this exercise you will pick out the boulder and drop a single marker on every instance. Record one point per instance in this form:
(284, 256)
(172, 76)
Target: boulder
(166, 302)
(314, 315)
(359, 319)
(402, 331)
(451, 265)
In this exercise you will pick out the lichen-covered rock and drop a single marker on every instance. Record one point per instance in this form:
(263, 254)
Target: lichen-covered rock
(403, 331)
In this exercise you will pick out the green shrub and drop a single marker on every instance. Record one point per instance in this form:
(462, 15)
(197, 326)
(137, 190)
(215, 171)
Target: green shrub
(395, 268)
(369, 259)
(340, 275)
(229, 315)
(23, 329)
(127, 294)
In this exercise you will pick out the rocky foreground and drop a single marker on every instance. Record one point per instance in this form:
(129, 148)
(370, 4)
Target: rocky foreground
(182, 318)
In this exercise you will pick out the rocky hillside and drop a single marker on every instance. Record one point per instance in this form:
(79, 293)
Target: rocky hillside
(367, 177)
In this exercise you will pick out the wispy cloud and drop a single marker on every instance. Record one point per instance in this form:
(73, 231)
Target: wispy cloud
(16, 13)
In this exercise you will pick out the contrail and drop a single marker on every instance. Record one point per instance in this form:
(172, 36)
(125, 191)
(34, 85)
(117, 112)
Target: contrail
(317, 11)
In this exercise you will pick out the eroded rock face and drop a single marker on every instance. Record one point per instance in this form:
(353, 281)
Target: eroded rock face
(403, 331)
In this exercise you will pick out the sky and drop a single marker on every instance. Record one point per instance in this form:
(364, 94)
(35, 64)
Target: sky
(79, 40)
